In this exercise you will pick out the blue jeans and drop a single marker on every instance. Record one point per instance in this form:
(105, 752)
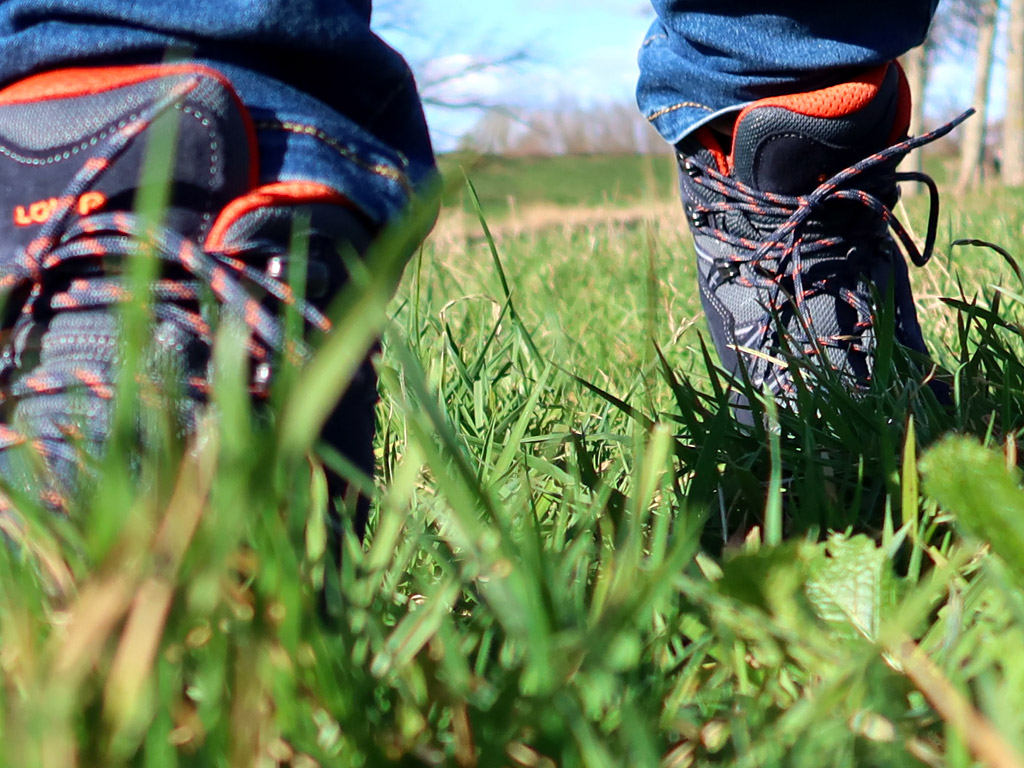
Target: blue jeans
(705, 58)
(300, 62)
(317, 64)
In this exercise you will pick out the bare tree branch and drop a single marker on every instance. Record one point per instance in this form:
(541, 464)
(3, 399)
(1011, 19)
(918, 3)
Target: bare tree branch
(440, 87)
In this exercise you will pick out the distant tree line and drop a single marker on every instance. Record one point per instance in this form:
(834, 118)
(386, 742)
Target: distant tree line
(964, 30)
(565, 129)
(968, 31)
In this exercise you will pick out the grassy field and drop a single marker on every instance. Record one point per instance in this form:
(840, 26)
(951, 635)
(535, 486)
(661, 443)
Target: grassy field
(575, 557)
(573, 180)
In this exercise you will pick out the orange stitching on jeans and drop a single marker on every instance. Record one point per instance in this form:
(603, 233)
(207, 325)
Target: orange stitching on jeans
(381, 169)
(674, 107)
(652, 38)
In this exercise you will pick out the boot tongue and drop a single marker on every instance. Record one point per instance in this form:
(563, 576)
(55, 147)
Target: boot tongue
(790, 145)
(55, 123)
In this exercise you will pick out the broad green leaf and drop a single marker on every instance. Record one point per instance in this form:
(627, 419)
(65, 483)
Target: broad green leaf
(973, 483)
(851, 584)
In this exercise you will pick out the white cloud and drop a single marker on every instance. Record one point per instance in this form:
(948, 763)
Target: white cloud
(460, 78)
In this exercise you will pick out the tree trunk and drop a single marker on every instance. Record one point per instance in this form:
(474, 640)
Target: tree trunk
(972, 150)
(915, 65)
(1013, 125)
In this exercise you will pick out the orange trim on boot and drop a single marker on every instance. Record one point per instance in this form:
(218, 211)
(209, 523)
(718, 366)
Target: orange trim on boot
(834, 101)
(85, 81)
(278, 193)
(88, 81)
(842, 99)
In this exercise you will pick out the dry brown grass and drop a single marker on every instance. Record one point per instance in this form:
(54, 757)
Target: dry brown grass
(457, 226)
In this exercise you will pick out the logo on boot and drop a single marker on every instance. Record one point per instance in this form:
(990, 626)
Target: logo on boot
(40, 211)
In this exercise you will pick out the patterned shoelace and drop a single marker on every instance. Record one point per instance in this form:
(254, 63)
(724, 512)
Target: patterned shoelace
(63, 269)
(777, 262)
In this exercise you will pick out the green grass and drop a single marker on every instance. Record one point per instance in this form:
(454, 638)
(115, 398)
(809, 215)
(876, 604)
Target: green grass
(570, 180)
(577, 180)
(575, 558)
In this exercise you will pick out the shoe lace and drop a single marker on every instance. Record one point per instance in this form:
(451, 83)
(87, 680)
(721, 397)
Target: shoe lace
(777, 263)
(76, 263)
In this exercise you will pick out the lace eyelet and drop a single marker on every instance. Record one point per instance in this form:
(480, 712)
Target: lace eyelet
(318, 275)
(261, 379)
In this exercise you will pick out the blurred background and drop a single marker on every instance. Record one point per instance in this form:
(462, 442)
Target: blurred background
(542, 77)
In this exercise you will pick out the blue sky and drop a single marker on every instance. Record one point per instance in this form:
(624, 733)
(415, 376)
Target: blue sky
(588, 56)
(584, 56)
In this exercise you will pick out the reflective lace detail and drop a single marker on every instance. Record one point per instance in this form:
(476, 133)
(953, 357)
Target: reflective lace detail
(780, 265)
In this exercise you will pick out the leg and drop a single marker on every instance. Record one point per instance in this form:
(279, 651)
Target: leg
(703, 57)
(789, 192)
(269, 136)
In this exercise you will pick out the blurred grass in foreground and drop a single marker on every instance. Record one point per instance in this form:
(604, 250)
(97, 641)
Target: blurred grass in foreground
(575, 557)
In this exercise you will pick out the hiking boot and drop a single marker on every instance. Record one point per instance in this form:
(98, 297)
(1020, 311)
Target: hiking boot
(73, 144)
(791, 214)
